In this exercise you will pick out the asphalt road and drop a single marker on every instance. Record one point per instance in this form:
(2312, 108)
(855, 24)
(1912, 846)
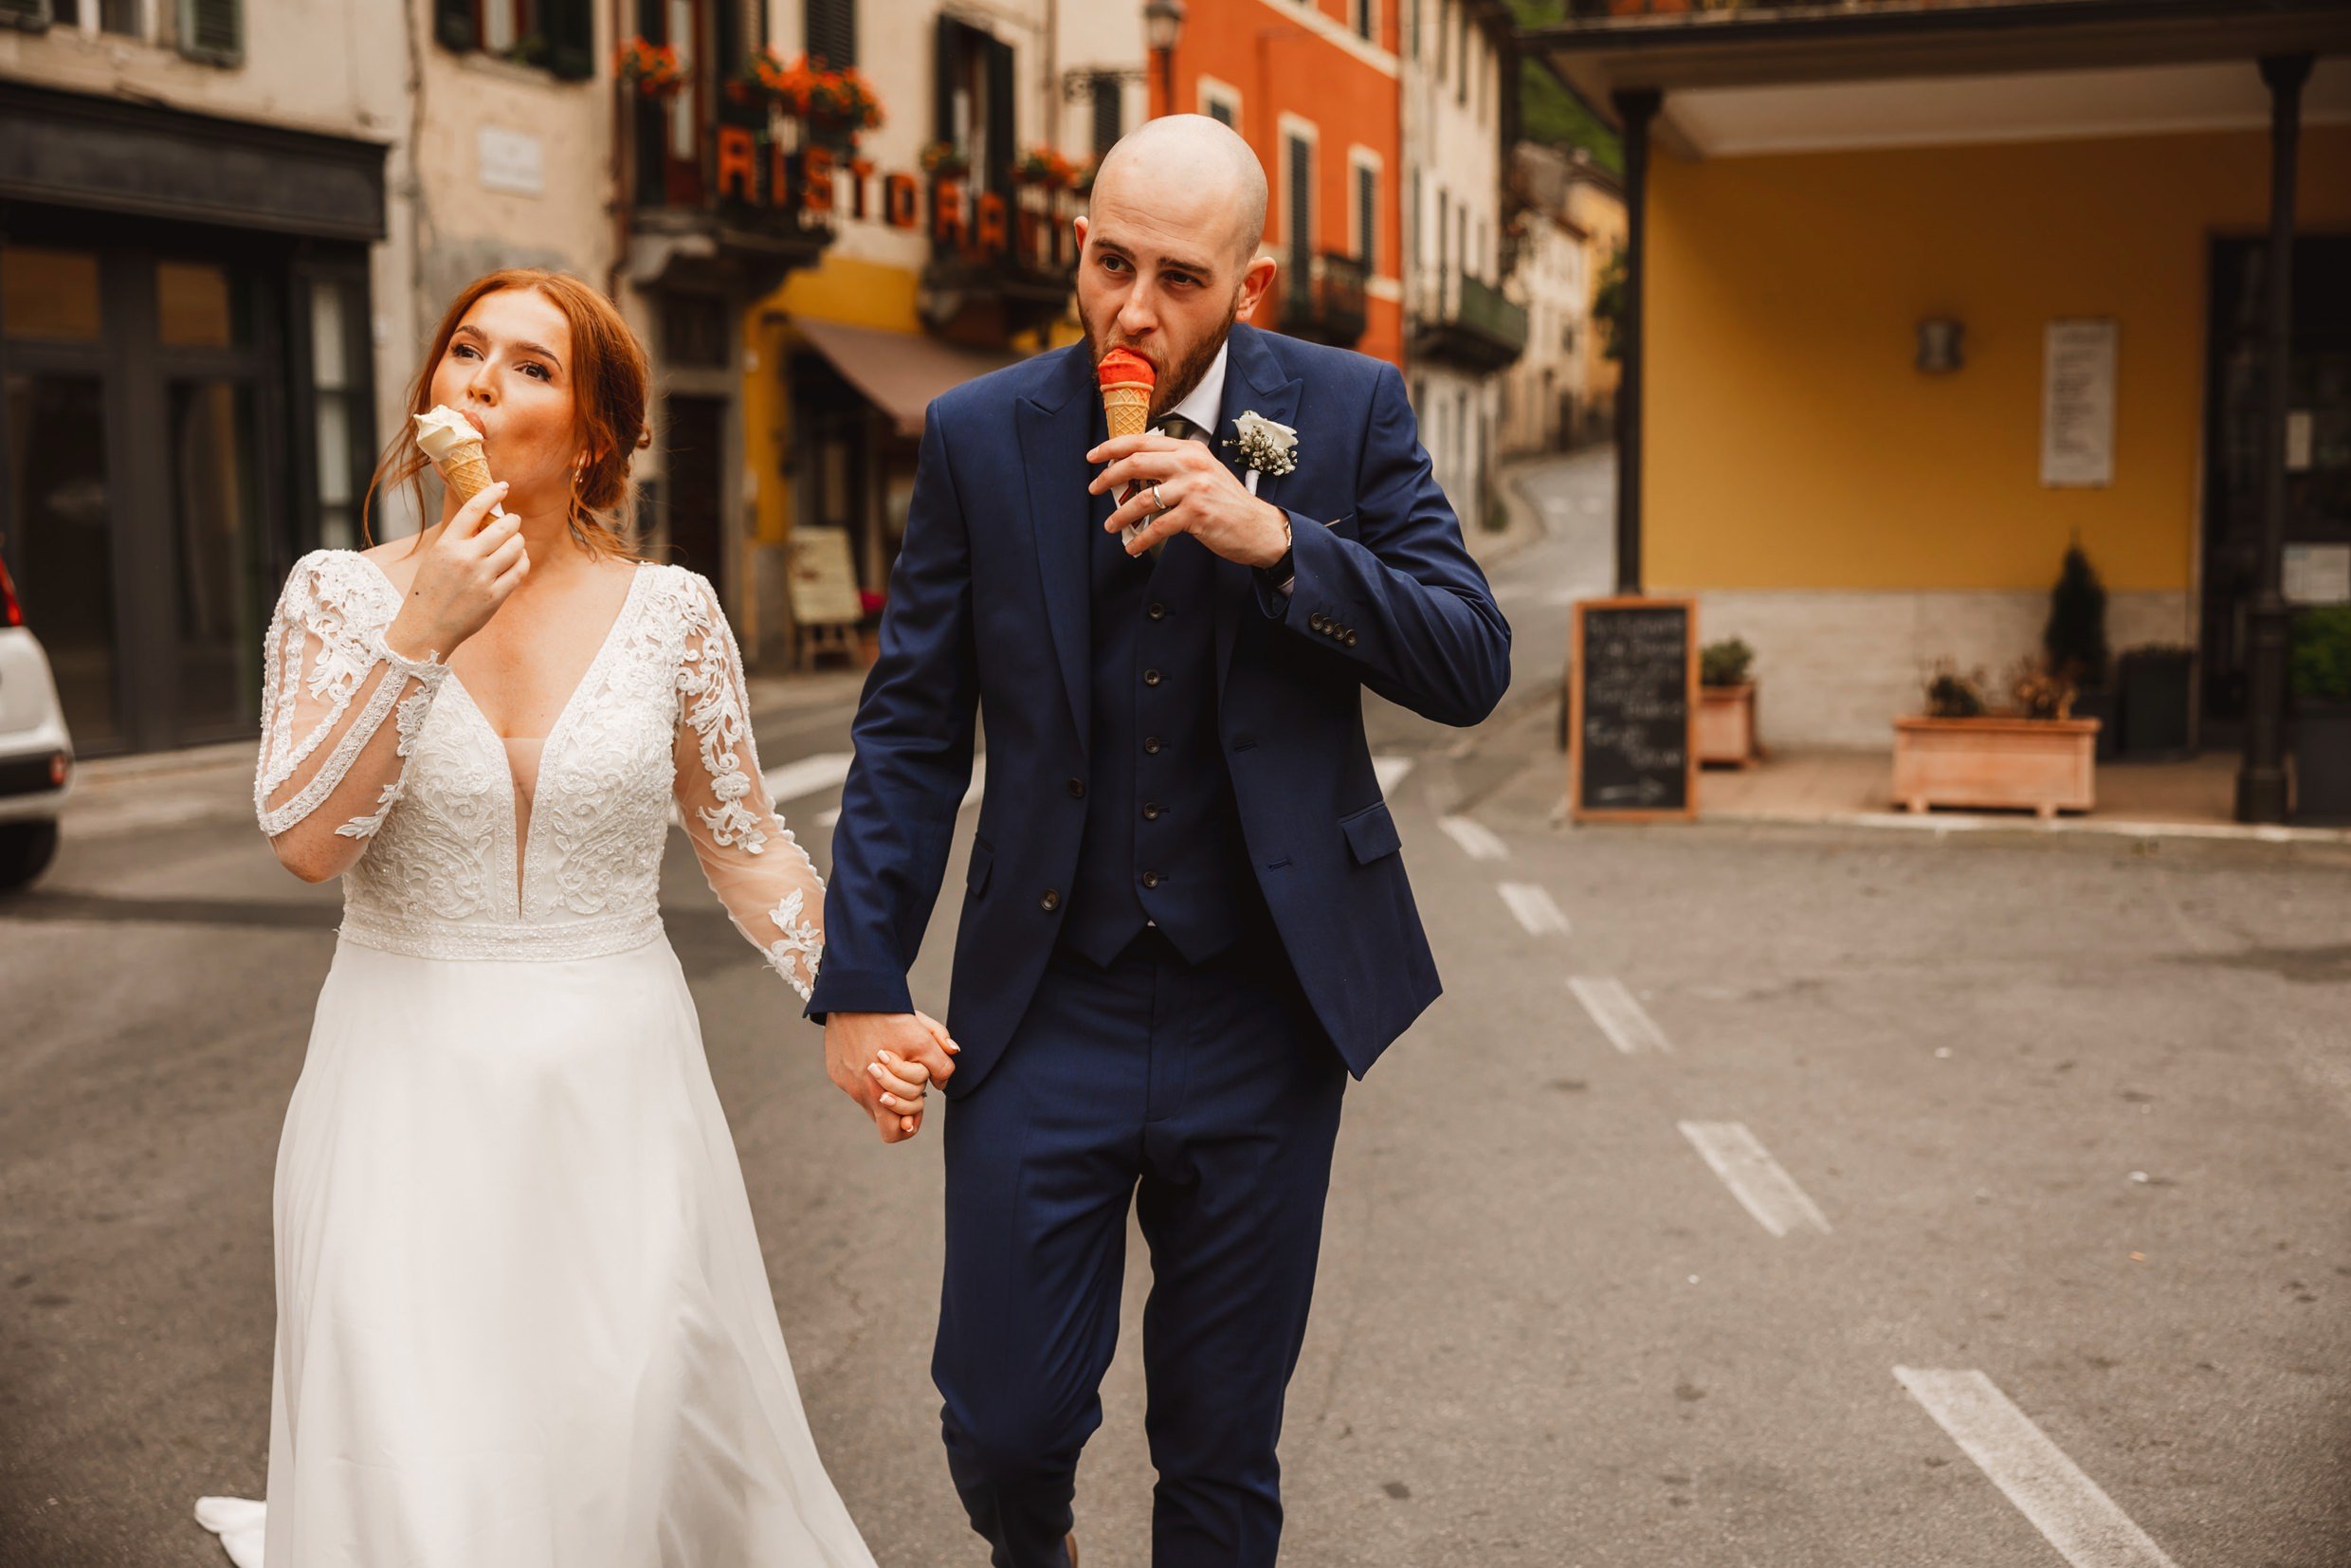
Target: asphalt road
(1715, 1129)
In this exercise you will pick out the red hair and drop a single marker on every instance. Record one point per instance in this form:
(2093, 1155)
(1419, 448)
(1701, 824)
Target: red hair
(610, 381)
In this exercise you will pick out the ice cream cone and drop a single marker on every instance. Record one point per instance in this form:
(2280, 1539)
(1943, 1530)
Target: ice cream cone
(454, 446)
(466, 471)
(1126, 406)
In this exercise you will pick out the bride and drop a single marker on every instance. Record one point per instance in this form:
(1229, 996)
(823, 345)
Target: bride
(522, 1316)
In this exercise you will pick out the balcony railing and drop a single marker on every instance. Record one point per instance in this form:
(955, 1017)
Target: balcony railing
(730, 214)
(1473, 325)
(1323, 301)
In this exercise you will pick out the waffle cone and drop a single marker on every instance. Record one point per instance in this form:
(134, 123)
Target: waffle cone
(466, 471)
(1126, 406)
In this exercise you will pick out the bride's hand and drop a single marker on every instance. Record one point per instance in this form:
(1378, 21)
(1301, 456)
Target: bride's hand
(903, 1085)
(465, 575)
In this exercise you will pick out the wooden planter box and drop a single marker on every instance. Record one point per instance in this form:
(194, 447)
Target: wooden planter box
(2042, 765)
(1727, 724)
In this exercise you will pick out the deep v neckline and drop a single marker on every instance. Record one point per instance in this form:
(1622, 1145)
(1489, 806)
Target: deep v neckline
(516, 835)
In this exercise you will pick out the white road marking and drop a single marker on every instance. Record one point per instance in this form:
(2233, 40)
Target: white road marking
(1754, 1176)
(1622, 1018)
(809, 776)
(1533, 907)
(2079, 1519)
(1391, 771)
(1476, 839)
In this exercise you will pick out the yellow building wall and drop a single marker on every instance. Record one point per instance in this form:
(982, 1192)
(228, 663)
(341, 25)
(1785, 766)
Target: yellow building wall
(1792, 444)
(840, 288)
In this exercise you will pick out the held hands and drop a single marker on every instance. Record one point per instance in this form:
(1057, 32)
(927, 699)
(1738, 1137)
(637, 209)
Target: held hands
(1196, 495)
(464, 578)
(886, 1060)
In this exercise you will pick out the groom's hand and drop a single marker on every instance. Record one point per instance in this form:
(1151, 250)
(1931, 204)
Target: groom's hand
(902, 1045)
(1196, 495)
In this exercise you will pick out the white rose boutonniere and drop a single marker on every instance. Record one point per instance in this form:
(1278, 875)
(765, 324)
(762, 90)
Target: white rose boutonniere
(1268, 447)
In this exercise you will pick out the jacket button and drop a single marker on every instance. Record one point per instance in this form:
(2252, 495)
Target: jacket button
(1151, 677)
(1151, 879)
(1151, 744)
(1158, 612)
(1050, 901)
(1077, 788)
(1350, 637)
(1152, 810)
(1316, 621)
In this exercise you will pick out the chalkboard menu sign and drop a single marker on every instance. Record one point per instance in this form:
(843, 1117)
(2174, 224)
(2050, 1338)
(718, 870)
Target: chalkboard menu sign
(1632, 692)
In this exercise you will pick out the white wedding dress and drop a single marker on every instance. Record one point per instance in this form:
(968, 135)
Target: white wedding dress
(522, 1316)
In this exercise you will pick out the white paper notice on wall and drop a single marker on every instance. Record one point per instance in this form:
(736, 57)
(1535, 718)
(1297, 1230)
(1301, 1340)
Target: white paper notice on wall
(2077, 403)
(512, 161)
(2317, 574)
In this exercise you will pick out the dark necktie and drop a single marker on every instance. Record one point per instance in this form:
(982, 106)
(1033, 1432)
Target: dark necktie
(1182, 429)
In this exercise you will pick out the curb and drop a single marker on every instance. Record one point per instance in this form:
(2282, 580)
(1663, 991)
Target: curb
(1972, 822)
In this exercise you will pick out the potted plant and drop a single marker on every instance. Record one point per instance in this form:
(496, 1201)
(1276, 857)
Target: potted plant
(1045, 168)
(1727, 703)
(2153, 694)
(840, 104)
(652, 68)
(2320, 674)
(2038, 756)
(2075, 642)
(771, 80)
(944, 160)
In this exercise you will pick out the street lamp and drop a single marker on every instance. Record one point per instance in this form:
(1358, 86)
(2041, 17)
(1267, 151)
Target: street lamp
(1163, 24)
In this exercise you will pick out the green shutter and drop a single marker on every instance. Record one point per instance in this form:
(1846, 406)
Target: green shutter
(571, 29)
(833, 32)
(212, 31)
(32, 15)
(452, 24)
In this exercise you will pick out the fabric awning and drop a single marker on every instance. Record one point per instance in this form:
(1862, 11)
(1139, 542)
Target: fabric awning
(898, 371)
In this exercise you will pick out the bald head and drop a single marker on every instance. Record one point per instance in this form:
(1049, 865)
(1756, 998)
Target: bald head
(1190, 172)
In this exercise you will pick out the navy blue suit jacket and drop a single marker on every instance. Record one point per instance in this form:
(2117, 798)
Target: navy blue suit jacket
(989, 611)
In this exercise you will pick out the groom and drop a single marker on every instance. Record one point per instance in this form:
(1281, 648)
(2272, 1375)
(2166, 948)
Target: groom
(1186, 919)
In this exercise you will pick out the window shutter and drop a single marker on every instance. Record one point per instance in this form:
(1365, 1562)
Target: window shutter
(571, 30)
(1298, 220)
(833, 32)
(212, 31)
(1109, 111)
(1000, 115)
(33, 15)
(1367, 215)
(452, 24)
(946, 59)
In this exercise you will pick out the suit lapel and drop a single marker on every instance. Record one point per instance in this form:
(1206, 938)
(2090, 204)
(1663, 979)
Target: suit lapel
(1056, 432)
(1254, 383)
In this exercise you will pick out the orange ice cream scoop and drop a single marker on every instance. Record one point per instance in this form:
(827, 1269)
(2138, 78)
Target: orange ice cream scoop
(1126, 381)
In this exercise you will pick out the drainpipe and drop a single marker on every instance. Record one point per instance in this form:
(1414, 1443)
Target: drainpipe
(2261, 794)
(1636, 109)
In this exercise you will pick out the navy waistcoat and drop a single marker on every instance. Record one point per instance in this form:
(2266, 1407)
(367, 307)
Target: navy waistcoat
(1162, 840)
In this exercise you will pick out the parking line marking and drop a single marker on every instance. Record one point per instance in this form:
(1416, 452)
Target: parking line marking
(1533, 907)
(1476, 839)
(1390, 771)
(2073, 1511)
(1621, 1017)
(1754, 1176)
(809, 776)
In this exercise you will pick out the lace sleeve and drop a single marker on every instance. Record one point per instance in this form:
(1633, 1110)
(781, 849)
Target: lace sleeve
(764, 879)
(328, 683)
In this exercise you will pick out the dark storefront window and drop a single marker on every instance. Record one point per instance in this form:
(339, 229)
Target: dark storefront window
(187, 411)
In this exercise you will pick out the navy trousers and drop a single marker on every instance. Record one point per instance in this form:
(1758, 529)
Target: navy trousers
(1207, 1096)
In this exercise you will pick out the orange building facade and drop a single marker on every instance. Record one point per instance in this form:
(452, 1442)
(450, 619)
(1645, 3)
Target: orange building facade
(1312, 86)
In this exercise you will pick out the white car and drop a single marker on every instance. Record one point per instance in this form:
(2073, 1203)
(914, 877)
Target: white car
(36, 753)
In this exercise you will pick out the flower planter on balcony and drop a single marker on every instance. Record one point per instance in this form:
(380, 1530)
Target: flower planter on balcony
(2041, 765)
(1727, 725)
